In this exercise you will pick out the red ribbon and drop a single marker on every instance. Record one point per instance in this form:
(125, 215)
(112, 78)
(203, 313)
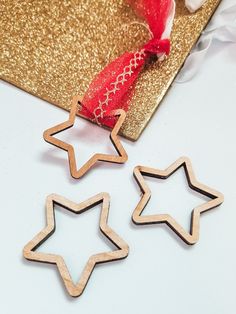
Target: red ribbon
(112, 88)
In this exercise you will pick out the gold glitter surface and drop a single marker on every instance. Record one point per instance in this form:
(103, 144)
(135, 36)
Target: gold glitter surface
(53, 49)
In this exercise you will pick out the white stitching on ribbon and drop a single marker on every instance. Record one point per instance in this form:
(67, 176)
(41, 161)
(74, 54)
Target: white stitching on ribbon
(120, 79)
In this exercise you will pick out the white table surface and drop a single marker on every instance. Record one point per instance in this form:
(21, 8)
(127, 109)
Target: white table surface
(161, 274)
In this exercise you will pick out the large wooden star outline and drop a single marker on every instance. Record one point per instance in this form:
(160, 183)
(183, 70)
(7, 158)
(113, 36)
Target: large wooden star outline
(78, 173)
(139, 219)
(30, 252)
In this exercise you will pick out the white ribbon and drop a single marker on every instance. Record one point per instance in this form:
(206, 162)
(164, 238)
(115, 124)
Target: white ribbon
(193, 5)
(222, 27)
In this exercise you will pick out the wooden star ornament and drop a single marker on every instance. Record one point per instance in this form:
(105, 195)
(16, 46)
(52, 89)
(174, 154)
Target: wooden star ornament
(30, 252)
(189, 237)
(122, 156)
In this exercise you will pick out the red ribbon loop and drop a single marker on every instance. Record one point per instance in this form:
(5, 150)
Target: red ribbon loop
(113, 87)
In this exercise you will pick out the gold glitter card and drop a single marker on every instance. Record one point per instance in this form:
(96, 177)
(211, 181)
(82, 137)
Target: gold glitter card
(53, 49)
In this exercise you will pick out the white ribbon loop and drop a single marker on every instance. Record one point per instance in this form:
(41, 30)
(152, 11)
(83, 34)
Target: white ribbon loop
(222, 28)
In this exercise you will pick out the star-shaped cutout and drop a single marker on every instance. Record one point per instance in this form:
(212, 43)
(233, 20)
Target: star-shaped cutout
(189, 237)
(78, 173)
(30, 252)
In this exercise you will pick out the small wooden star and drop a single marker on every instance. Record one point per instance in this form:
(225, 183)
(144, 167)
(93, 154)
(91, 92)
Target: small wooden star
(189, 237)
(122, 156)
(30, 253)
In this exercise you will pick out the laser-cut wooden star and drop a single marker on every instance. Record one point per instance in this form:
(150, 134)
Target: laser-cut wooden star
(30, 252)
(78, 173)
(189, 237)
